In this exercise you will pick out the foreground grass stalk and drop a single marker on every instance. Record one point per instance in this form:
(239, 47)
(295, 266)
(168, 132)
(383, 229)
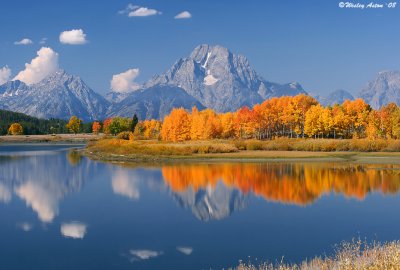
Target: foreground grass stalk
(355, 255)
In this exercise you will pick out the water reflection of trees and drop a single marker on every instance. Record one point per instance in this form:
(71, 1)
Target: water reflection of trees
(294, 183)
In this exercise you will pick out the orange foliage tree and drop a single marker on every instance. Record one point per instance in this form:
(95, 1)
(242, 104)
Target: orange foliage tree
(176, 126)
(106, 125)
(285, 116)
(96, 127)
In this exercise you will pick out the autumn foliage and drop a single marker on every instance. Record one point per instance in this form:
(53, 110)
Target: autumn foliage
(96, 127)
(74, 124)
(16, 129)
(300, 116)
(148, 129)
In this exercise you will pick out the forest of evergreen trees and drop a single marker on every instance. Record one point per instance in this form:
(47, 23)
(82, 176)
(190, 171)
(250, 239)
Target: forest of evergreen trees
(35, 126)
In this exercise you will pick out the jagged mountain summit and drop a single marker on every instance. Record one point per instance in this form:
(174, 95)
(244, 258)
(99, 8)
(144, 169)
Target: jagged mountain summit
(221, 80)
(335, 97)
(211, 77)
(384, 89)
(59, 95)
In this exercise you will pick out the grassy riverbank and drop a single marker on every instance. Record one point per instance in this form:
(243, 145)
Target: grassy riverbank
(349, 256)
(58, 138)
(152, 150)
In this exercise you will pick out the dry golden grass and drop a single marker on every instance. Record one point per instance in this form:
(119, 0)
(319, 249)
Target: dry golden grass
(321, 145)
(69, 138)
(153, 147)
(355, 255)
(117, 148)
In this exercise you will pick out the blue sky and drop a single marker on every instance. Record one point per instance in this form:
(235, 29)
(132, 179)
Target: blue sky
(316, 43)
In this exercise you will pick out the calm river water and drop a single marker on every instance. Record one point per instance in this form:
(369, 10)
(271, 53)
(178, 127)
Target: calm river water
(62, 211)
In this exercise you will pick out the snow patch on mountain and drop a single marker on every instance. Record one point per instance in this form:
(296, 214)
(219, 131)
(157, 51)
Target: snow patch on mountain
(210, 80)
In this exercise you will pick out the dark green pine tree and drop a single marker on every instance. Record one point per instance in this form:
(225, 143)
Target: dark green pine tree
(135, 121)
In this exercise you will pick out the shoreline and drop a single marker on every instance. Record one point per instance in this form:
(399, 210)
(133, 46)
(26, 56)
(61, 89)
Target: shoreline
(112, 155)
(250, 156)
(153, 151)
(49, 139)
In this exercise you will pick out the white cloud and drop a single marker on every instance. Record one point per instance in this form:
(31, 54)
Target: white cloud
(43, 40)
(24, 41)
(73, 37)
(125, 81)
(75, 230)
(143, 12)
(41, 66)
(185, 250)
(124, 185)
(138, 11)
(183, 15)
(143, 254)
(5, 194)
(5, 74)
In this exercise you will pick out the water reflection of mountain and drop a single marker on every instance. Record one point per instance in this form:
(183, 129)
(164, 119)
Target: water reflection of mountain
(212, 202)
(41, 181)
(295, 183)
(206, 204)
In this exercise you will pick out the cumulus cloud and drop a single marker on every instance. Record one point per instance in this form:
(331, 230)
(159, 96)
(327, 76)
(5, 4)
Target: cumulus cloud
(144, 254)
(124, 185)
(42, 201)
(138, 11)
(185, 250)
(125, 81)
(44, 64)
(75, 230)
(183, 15)
(73, 37)
(24, 41)
(5, 74)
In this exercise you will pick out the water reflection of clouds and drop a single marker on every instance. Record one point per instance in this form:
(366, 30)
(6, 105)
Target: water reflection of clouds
(185, 250)
(25, 226)
(5, 193)
(143, 254)
(42, 180)
(124, 184)
(75, 230)
(128, 182)
(42, 201)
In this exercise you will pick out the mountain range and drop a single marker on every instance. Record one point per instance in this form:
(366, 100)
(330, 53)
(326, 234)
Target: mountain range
(59, 95)
(210, 77)
(384, 89)
(337, 96)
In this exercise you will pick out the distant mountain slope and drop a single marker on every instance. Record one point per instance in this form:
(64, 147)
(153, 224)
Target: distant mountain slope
(154, 102)
(385, 88)
(335, 97)
(221, 80)
(59, 95)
